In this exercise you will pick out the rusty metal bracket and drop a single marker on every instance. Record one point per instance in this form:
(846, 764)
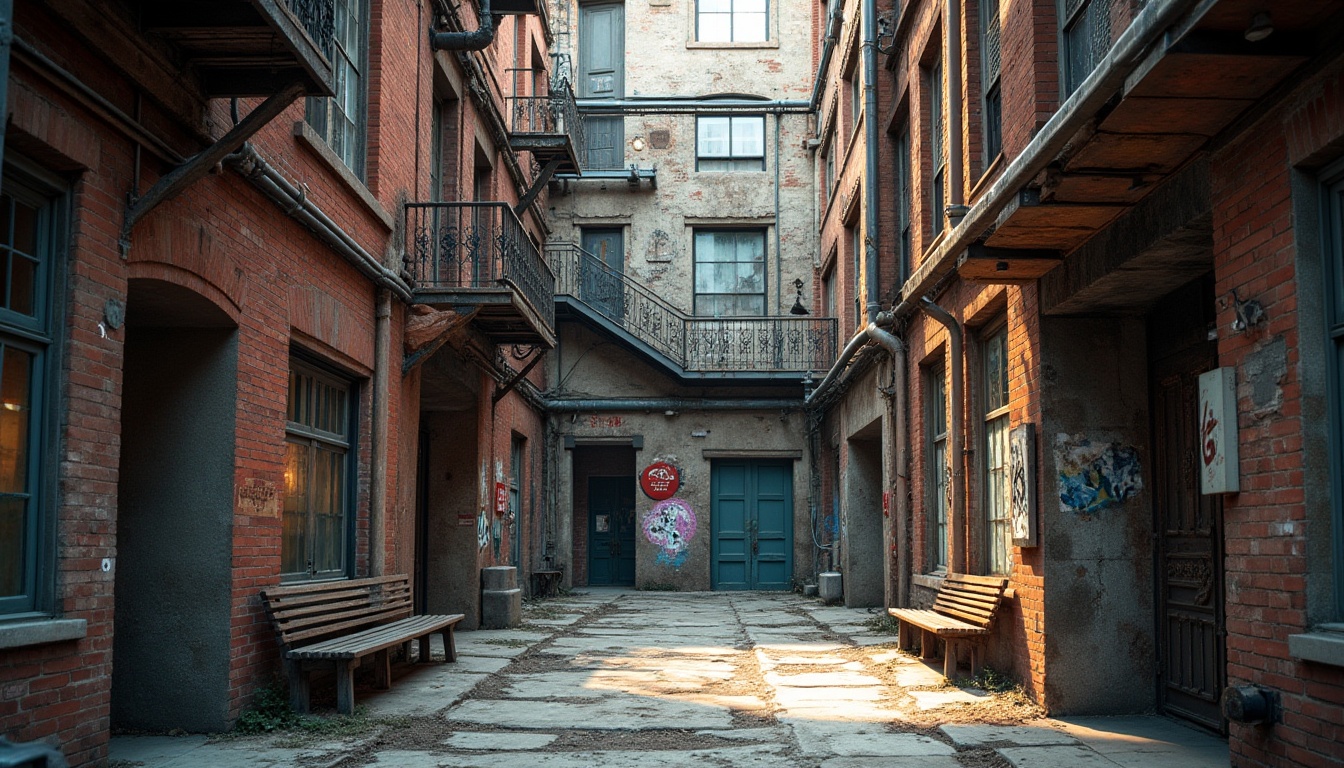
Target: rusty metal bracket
(547, 172)
(500, 392)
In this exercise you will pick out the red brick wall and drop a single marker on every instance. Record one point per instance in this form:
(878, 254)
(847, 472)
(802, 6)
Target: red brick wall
(1266, 526)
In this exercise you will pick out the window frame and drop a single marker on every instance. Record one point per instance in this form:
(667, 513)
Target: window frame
(315, 438)
(735, 162)
(937, 148)
(44, 339)
(732, 23)
(1082, 14)
(904, 186)
(320, 111)
(997, 418)
(937, 489)
(763, 232)
(1332, 255)
(991, 92)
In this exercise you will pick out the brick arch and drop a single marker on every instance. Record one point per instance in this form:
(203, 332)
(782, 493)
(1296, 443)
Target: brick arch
(187, 298)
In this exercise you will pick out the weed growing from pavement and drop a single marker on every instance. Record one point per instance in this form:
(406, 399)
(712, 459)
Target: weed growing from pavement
(270, 714)
(882, 624)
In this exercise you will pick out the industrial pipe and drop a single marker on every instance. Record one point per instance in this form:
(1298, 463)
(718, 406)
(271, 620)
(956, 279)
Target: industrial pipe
(833, 21)
(956, 440)
(565, 405)
(475, 40)
(872, 265)
(295, 202)
(672, 105)
(382, 344)
(897, 467)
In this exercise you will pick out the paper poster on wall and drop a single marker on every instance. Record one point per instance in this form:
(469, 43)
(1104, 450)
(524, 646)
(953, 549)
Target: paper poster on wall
(1022, 482)
(1219, 472)
(603, 523)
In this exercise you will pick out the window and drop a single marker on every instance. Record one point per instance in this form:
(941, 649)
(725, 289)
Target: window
(443, 153)
(601, 51)
(855, 233)
(730, 272)
(828, 305)
(340, 118)
(731, 21)
(604, 142)
(939, 471)
(318, 456)
(937, 193)
(1086, 36)
(1333, 216)
(903, 191)
(28, 242)
(830, 167)
(730, 143)
(991, 54)
(998, 531)
(855, 95)
(516, 499)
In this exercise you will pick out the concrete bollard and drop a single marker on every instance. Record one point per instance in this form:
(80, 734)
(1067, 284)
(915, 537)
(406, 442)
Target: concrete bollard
(829, 587)
(501, 598)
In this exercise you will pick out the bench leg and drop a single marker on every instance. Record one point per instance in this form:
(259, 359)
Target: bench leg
(977, 658)
(903, 633)
(950, 658)
(423, 642)
(928, 644)
(382, 669)
(298, 687)
(449, 647)
(345, 686)
(406, 652)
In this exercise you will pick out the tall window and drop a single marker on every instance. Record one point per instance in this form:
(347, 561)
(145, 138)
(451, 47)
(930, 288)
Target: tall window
(28, 227)
(904, 189)
(340, 118)
(991, 54)
(604, 142)
(939, 472)
(855, 233)
(731, 21)
(516, 498)
(855, 94)
(828, 306)
(1333, 215)
(317, 471)
(998, 532)
(730, 143)
(937, 153)
(443, 154)
(830, 168)
(1086, 36)
(730, 272)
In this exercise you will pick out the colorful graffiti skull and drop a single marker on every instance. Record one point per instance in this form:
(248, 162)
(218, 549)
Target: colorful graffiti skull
(670, 525)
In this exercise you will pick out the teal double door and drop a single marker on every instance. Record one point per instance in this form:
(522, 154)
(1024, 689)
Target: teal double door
(752, 540)
(611, 531)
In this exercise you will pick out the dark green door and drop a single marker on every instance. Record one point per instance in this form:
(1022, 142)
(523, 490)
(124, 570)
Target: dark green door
(752, 517)
(611, 531)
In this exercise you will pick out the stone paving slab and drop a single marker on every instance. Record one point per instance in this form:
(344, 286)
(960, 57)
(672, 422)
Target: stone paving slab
(799, 646)
(919, 676)
(485, 635)
(795, 697)
(761, 756)
(821, 680)
(418, 694)
(559, 622)
(626, 712)
(492, 741)
(937, 699)
(774, 659)
(1055, 757)
(1006, 735)
(196, 751)
(853, 739)
(628, 645)
(848, 712)
(915, 761)
(491, 650)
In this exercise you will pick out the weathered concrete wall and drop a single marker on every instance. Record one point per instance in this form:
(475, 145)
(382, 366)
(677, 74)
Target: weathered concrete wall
(175, 530)
(453, 535)
(1099, 643)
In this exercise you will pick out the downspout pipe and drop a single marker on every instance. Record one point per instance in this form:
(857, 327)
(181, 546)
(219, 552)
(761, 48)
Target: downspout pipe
(872, 266)
(295, 202)
(955, 162)
(382, 344)
(834, 19)
(956, 519)
(475, 40)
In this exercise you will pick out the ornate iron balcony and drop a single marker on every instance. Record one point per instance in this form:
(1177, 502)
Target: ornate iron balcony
(547, 126)
(478, 256)
(742, 345)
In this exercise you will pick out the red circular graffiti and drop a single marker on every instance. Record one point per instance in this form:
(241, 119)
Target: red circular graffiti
(660, 480)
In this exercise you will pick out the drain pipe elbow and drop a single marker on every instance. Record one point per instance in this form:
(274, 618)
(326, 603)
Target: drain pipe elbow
(476, 40)
(956, 515)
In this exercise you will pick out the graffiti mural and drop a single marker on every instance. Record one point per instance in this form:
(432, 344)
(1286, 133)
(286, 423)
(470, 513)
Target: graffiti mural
(1094, 477)
(670, 525)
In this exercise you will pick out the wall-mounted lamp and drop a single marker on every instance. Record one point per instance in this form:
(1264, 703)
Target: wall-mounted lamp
(1249, 312)
(886, 30)
(1261, 27)
(637, 144)
(798, 308)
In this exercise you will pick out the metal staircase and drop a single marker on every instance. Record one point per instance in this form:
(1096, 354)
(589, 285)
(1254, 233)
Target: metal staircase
(780, 348)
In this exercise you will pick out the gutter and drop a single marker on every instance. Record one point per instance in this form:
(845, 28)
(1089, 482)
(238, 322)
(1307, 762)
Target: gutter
(1123, 59)
(296, 203)
(568, 405)
(834, 20)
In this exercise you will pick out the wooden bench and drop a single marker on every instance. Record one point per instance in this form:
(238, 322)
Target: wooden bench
(338, 623)
(963, 614)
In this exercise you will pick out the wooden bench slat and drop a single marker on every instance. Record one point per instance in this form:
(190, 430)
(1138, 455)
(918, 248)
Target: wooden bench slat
(329, 629)
(328, 600)
(375, 638)
(331, 609)
(998, 582)
(322, 586)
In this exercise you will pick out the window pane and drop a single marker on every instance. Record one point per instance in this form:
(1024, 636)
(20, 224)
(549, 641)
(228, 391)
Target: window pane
(715, 6)
(713, 134)
(16, 407)
(23, 285)
(749, 27)
(294, 541)
(328, 493)
(750, 246)
(748, 136)
(996, 494)
(13, 549)
(940, 491)
(25, 228)
(715, 28)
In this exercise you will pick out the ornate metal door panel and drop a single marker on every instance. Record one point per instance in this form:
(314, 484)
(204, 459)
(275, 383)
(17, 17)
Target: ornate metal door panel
(1189, 578)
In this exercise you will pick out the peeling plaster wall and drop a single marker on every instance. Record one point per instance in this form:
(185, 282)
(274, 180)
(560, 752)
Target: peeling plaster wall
(1099, 643)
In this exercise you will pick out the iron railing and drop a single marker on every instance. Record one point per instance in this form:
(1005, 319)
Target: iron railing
(555, 114)
(318, 18)
(477, 246)
(785, 343)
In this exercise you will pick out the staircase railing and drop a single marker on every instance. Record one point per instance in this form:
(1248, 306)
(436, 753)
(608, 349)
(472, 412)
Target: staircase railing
(698, 344)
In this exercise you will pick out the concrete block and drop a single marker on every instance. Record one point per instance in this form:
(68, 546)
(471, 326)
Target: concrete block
(809, 590)
(499, 577)
(501, 599)
(829, 586)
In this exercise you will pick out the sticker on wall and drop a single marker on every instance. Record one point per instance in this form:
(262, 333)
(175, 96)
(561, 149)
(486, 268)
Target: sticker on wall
(1022, 482)
(482, 531)
(660, 481)
(670, 525)
(1218, 432)
(1094, 477)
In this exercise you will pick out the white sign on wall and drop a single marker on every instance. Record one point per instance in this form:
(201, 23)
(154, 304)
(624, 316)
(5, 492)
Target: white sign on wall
(1219, 470)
